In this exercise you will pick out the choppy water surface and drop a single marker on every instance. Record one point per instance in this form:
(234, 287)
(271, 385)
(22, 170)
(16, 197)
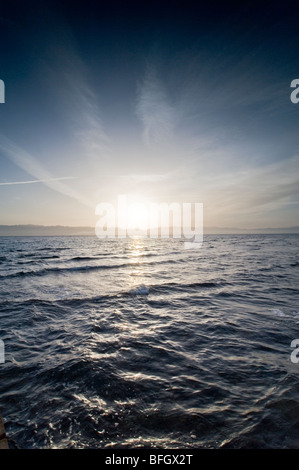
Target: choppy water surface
(141, 343)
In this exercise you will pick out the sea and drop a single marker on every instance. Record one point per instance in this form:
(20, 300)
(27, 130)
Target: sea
(141, 343)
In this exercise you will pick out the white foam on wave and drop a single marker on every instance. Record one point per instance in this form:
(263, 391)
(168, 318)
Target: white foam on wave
(278, 312)
(141, 290)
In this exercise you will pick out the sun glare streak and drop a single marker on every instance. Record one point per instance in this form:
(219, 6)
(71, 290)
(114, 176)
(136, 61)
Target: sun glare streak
(138, 217)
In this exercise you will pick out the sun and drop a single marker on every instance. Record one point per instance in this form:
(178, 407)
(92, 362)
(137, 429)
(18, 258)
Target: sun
(137, 217)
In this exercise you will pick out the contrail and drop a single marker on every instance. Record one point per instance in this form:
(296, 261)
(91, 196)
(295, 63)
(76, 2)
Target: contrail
(35, 168)
(38, 181)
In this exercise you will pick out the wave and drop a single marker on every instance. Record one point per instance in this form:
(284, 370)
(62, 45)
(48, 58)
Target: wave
(54, 249)
(141, 290)
(87, 268)
(115, 256)
(56, 270)
(145, 290)
(37, 256)
(183, 286)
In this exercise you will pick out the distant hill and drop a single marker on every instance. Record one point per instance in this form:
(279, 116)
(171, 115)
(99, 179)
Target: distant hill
(44, 230)
(59, 230)
(235, 230)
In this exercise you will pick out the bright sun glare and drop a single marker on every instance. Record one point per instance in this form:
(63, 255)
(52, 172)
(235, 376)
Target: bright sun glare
(137, 217)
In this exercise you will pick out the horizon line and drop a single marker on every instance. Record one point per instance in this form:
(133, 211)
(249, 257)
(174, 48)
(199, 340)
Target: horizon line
(226, 229)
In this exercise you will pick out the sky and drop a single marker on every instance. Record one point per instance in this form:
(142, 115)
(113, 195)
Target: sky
(169, 101)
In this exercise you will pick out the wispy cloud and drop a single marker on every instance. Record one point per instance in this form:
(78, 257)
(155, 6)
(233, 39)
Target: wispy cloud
(155, 110)
(86, 117)
(79, 102)
(32, 166)
(10, 183)
(276, 183)
(260, 194)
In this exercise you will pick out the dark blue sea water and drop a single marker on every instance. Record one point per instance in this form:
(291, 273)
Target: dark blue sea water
(141, 343)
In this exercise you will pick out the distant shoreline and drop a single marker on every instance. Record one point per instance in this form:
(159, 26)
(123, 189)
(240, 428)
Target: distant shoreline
(59, 230)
